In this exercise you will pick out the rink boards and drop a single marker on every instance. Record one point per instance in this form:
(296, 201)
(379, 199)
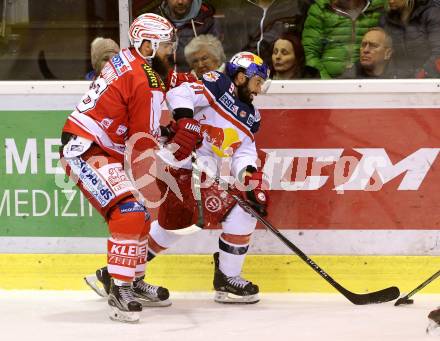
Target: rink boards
(353, 170)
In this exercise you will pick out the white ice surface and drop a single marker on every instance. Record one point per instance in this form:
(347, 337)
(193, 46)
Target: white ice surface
(82, 316)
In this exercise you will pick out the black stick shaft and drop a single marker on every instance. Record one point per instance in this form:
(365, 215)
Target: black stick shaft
(290, 245)
(424, 284)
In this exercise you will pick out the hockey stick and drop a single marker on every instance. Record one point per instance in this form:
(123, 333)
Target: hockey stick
(405, 299)
(196, 177)
(380, 296)
(196, 183)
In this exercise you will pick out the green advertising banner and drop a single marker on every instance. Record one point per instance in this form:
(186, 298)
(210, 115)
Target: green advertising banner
(36, 198)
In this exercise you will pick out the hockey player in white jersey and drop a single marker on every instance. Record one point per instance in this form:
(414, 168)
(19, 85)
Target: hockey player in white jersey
(222, 104)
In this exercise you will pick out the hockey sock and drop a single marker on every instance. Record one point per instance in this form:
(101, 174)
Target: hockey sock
(233, 249)
(160, 239)
(122, 259)
(141, 258)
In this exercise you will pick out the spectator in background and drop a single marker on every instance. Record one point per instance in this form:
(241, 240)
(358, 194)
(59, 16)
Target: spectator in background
(288, 58)
(205, 53)
(414, 26)
(255, 25)
(333, 31)
(375, 56)
(191, 19)
(101, 51)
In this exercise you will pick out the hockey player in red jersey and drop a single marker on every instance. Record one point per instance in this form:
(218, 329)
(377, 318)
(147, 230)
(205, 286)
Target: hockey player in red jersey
(222, 103)
(125, 102)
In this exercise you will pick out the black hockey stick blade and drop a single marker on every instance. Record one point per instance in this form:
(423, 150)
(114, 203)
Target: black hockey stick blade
(405, 299)
(384, 295)
(381, 296)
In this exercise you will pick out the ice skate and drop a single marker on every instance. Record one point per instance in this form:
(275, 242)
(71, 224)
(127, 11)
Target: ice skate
(233, 289)
(123, 305)
(99, 282)
(150, 295)
(434, 323)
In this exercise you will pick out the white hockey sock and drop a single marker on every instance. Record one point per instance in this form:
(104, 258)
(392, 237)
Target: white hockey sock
(231, 257)
(160, 238)
(230, 264)
(141, 258)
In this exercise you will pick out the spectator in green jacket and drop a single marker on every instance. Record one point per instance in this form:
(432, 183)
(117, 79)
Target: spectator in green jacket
(333, 31)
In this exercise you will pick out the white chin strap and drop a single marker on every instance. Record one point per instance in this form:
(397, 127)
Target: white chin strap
(154, 47)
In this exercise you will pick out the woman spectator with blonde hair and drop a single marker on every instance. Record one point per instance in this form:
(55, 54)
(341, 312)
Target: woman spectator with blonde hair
(414, 26)
(205, 53)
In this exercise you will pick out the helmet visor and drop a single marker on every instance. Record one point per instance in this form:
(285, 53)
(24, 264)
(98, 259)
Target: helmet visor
(258, 70)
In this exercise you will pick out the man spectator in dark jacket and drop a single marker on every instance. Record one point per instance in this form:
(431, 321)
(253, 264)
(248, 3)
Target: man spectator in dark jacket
(191, 19)
(254, 25)
(375, 56)
(414, 26)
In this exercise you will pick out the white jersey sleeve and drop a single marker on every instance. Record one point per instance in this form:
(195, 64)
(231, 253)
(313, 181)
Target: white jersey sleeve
(186, 95)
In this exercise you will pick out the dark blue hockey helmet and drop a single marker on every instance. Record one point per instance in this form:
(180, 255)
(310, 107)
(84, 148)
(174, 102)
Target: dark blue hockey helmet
(250, 64)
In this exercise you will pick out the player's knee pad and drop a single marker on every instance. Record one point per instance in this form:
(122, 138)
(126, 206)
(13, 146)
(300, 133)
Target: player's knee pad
(238, 222)
(129, 219)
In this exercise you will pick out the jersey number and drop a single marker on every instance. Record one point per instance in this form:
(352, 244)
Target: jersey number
(90, 98)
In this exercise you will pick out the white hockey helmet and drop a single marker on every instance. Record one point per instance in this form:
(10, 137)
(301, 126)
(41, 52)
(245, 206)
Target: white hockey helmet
(151, 27)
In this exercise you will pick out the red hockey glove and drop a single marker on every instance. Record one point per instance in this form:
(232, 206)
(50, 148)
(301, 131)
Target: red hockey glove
(187, 136)
(256, 186)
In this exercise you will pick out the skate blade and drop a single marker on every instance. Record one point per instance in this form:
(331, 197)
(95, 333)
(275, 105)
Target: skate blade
(433, 329)
(228, 298)
(94, 284)
(152, 304)
(123, 316)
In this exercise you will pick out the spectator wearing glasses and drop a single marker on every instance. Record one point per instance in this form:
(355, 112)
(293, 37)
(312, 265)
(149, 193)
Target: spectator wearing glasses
(333, 31)
(375, 56)
(205, 53)
(414, 26)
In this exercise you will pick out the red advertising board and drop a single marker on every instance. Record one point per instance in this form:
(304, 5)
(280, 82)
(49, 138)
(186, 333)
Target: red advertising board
(352, 168)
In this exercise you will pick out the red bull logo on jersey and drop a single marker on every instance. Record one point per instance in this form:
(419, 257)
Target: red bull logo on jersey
(224, 141)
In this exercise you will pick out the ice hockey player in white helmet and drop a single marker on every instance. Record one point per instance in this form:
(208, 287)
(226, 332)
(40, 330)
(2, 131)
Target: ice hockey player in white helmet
(122, 102)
